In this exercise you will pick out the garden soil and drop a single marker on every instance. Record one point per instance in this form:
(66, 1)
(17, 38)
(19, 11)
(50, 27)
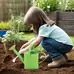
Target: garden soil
(8, 67)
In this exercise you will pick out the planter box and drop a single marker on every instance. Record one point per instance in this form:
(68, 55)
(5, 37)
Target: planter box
(66, 22)
(2, 32)
(52, 15)
(66, 16)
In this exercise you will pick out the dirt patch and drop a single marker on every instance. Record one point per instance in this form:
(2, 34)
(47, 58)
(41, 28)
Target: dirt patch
(8, 67)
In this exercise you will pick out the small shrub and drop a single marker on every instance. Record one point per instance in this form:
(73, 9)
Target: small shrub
(70, 5)
(17, 23)
(11, 36)
(46, 5)
(54, 5)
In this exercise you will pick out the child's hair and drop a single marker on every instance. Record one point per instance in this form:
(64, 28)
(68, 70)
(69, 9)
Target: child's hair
(37, 17)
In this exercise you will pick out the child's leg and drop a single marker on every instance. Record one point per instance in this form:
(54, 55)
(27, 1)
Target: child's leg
(54, 49)
(53, 53)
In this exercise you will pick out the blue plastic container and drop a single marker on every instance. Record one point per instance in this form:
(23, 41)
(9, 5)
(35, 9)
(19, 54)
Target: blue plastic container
(2, 33)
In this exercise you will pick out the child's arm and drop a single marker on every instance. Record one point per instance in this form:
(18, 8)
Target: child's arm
(23, 48)
(21, 51)
(26, 44)
(35, 42)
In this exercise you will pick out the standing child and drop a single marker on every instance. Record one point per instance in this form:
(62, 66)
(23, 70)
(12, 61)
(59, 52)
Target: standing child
(53, 39)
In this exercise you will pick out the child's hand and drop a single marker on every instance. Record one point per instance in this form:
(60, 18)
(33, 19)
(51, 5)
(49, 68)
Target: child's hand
(14, 59)
(22, 51)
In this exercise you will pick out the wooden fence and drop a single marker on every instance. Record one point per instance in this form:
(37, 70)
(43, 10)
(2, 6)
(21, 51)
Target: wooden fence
(8, 7)
(65, 20)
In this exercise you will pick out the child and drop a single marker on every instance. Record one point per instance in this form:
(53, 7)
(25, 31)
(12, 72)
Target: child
(53, 39)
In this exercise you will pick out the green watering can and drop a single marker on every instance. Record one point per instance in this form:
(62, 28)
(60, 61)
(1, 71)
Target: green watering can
(30, 59)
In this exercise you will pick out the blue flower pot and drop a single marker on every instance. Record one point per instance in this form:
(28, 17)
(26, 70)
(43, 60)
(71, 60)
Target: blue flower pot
(2, 33)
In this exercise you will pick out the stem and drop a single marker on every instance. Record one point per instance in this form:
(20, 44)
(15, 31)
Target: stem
(5, 47)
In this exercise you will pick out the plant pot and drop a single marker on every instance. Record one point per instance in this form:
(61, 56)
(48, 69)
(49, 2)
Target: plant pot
(2, 32)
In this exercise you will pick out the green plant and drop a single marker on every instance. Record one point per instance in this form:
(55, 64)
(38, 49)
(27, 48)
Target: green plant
(54, 5)
(17, 23)
(62, 4)
(11, 36)
(46, 5)
(65, 5)
(70, 5)
(14, 34)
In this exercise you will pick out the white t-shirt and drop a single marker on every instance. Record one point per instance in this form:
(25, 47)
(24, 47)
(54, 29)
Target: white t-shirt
(55, 33)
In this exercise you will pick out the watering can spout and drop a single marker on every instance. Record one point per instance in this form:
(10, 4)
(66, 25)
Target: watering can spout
(17, 53)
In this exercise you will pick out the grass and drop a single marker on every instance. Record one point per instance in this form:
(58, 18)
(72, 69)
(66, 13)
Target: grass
(72, 37)
(29, 36)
